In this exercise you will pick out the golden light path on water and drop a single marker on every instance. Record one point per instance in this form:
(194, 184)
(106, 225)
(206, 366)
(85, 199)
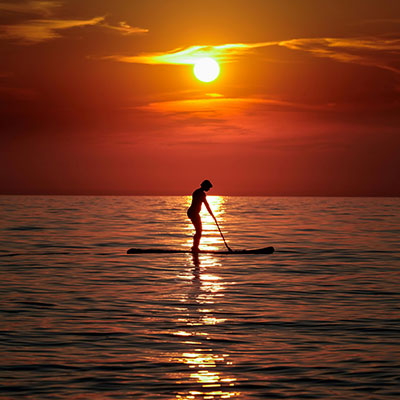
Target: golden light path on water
(205, 364)
(211, 239)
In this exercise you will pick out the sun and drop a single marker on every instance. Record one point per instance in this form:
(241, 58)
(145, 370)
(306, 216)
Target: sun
(206, 69)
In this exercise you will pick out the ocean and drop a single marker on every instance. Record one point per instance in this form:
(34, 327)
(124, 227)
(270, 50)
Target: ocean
(81, 319)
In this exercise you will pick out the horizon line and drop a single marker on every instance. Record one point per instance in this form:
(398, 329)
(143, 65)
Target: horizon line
(209, 195)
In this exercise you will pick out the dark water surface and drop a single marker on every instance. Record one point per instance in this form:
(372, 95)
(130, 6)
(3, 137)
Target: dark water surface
(80, 319)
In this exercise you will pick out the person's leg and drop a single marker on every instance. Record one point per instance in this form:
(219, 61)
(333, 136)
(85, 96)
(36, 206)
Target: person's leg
(197, 236)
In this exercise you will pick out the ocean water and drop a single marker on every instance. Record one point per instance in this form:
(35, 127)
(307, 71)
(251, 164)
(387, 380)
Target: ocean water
(81, 319)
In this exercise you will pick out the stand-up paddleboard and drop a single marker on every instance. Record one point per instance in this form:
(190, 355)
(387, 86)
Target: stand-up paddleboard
(264, 250)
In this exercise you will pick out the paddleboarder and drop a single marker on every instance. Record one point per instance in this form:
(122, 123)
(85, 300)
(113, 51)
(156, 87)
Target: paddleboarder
(198, 198)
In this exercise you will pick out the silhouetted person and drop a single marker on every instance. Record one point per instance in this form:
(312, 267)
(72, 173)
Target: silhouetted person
(198, 198)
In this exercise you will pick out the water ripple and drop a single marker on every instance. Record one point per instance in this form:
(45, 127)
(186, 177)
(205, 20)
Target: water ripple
(81, 319)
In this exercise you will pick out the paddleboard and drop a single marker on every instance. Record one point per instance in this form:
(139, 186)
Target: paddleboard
(264, 250)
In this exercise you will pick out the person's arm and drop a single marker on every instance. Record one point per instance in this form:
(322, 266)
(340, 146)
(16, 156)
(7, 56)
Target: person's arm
(208, 207)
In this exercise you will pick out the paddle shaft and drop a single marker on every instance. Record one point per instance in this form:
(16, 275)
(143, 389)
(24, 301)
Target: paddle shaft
(222, 235)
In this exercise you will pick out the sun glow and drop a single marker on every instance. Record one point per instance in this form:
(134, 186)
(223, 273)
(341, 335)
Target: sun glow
(206, 69)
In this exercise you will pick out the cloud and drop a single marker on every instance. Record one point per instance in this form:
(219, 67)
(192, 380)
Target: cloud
(39, 30)
(36, 7)
(210, 102)
(377, 52)
(189, 55)
(32, 30)
(124, 28)
(217, 119)
(216, 108)
(343, 43)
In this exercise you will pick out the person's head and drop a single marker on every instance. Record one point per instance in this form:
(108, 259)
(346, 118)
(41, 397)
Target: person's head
(206, 185)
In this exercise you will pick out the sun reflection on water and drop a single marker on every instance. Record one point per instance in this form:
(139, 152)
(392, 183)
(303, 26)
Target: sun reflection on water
(211, 239)
(205, 364)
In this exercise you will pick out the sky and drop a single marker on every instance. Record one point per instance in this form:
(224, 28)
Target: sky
(99, 97)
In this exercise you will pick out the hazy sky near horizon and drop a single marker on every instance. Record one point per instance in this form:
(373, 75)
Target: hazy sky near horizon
(99, 97)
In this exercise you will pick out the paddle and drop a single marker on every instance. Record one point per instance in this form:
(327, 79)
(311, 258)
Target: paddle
(226, 244)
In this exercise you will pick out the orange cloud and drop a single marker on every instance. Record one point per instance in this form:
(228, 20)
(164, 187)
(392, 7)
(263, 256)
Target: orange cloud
(220, 119)
(225, 52)
(37, 7)
(124, 28)
(217, 106)
(377, 52)
(39, 30)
